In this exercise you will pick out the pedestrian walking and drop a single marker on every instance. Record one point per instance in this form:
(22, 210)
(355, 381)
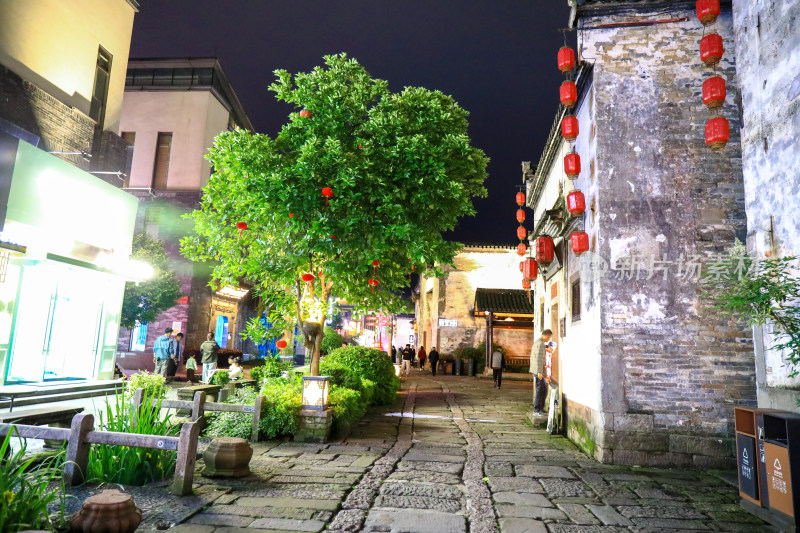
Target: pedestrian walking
(433, 357)
(408, 356)
(175, 362)
(538, 369)
(209, 351)
(394, 355)
(498, 364)
(191, 366)
(163, 352)
(422, 355)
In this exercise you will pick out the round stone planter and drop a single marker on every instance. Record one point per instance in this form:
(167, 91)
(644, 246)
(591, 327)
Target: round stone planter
(227, 457)
(111, 511)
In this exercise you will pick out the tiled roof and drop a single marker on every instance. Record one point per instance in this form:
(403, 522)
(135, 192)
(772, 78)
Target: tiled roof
(508, 301)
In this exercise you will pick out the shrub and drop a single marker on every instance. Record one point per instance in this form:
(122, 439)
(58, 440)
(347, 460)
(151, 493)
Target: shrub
(272, 368)
(342, 376)
(367, 363)
(26, 490)
(220, 377)
(331, 340)
(128, 465)
(234, 424)
(282, 403)
(154, 385)
(348, 406)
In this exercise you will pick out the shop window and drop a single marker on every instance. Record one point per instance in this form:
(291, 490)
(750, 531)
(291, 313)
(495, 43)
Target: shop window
(139, 337)
(161, 164)
(102, 74)
(576, 300)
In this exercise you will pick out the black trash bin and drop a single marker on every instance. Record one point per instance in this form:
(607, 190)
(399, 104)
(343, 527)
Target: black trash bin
(750, 454)
(470, 366)
(458, 367)
(782, 472)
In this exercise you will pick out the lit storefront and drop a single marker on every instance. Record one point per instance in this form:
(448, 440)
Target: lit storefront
(64, 259)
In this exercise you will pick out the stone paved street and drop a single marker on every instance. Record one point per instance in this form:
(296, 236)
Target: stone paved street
(456, 455)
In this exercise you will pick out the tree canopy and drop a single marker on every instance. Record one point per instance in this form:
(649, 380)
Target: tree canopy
(143, 302)
(400, 170)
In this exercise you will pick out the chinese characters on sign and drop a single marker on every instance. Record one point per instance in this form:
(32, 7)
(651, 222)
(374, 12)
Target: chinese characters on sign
(448, 322)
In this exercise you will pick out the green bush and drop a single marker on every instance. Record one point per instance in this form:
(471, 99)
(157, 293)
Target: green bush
(331, 341)
(342, 376)
(348, 406)
(367, 363)
(282, 403)
(234, 424)
(272, 368)
(128, 465)
(220, 377)
(154, 385)
(27, 490)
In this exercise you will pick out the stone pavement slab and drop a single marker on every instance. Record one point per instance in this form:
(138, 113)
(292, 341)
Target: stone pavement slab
(522, 525)
(418, 521)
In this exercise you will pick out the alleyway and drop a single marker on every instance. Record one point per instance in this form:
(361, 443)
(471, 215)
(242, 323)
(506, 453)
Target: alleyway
(460, 458)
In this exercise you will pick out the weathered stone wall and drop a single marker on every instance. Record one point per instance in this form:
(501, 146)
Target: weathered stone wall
(768, 71)
(672, 368)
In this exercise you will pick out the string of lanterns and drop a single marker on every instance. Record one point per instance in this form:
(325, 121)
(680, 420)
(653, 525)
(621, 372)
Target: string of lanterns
(717, 131)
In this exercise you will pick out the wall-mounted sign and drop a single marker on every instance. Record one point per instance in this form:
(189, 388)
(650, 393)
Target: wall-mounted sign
(448, 322)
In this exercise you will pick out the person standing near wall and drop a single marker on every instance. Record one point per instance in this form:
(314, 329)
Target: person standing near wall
(163, 351)
(433, 357)
(538, 369)
(498, 363)
(209, 350)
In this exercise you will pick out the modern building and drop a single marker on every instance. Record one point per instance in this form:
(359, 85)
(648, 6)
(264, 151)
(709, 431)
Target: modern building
(65, 225)
(171, 112)
(649, 370)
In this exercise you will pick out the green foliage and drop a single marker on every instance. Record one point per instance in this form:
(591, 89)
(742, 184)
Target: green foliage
(331, 341)
(759, 291)
(282, 403)
(479, 354)
(220, 377)
(272, 368)
(234, 424)
(348, 405)
(367, 363)
(144, 301)
(128, 465)
(154, 385)
(28, 489)
(402, 170)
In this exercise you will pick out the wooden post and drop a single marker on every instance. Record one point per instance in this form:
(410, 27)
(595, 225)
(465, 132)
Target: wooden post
(489, 338)
(184, 465)
(256, 417)
(137, 404)
(78, 449)
(198, 404)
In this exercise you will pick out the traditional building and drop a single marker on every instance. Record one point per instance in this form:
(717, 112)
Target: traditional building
(172, 110)
(650, 372)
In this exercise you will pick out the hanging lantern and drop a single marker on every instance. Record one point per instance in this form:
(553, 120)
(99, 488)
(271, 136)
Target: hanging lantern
(307, 277)
(579, 241)
(281, 344)
(530, 269)
(374, 283)
(334, 237)
(572, 165)
(566, 59)
(576, 202)
(718, 133)
(521, 249)
(707, 11)
(568, 93)
(520, 215)
(305, 113)
(327, 192)
(714, 92)
(526, 284)
(569, 128)
(521, 265)
(241, 226)
(375, 266)
(520, 198)
(291, 215)
(711, 49)
(521, 233)
(545, 250)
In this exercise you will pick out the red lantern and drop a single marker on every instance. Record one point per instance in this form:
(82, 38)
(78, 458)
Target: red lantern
(714, 92)
(576, 202)
(327, 192)
(374, 283)
(530, 269)
(545, 250)
(579, 241)
(526, 284)
(521, 233)
(291, 215)
(281, 344)
(334, 237)
(572, 165)
(566, 59)
(711, 49)
(305, 113)
(521, 249)
(376, 263)
(520, 198)
(521, 264)
(569, 128)
(718, 133)
(241, 226)
(520, 215)
(307, 277)
(568, 93)
(707, 11)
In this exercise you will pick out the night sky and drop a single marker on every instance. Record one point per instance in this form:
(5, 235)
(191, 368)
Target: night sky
(496, 58)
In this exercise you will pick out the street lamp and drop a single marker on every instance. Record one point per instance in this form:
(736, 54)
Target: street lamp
(315, 392)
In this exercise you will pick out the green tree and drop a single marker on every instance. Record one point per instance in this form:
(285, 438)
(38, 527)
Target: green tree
(144, 301)
(401, 170)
